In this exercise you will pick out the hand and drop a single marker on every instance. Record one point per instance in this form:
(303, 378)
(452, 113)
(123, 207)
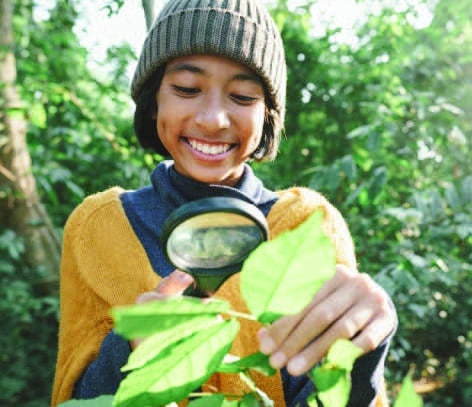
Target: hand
(174, 284)
(350, 306)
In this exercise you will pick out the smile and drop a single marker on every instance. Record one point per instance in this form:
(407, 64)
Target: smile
(209, 149)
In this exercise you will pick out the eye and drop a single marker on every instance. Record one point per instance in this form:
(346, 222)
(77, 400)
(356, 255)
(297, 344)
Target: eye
(243, 99)
(185, 91)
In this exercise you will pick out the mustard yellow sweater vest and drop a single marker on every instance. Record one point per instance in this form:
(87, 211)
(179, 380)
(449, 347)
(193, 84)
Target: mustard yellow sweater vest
(104, 265)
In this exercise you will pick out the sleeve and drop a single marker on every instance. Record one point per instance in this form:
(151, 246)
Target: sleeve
(103, 375)
(366, 376)
(293, 207)
(103, 264)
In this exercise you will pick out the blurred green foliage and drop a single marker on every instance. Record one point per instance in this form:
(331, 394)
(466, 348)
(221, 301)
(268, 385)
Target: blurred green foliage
(382, 128)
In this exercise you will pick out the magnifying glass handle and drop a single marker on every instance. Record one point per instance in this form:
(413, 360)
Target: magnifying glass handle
(194, 291)
(205, 285)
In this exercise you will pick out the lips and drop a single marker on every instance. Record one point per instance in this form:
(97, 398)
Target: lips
(209, 149)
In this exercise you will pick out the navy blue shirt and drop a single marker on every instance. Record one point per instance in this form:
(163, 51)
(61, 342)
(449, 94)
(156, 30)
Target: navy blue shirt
(147, 209)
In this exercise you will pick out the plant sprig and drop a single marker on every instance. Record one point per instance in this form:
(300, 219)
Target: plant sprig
(187, 340)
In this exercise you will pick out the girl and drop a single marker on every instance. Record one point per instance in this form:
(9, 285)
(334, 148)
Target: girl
(209, 89)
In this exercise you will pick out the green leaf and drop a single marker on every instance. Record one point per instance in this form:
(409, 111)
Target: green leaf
(249, 400)
(144, 320)
(327, 377)
(407, 397)
(102, 401)
(343, 353)
(37, 115)
(215, 400)
(360, 131)
(180, 371)
(311, 401)
(281, 276)
(466, 189)
(453, 198)
(333, 385)
(257, 361)
(160, 341)
(333, 377)
(263, 398)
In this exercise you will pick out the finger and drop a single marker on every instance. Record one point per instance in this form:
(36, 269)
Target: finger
(382, 325)
(175, 283)
(343, 274)
(368, 322)
(272, 338)
(373, 334)
(354, 321)
(342, 314)
(289, 341)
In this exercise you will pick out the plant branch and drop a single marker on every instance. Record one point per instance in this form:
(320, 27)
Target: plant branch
(241, 315)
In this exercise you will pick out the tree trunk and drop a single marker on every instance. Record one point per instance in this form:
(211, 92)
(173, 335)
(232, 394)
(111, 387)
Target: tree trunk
(149, 7)
(20, 207)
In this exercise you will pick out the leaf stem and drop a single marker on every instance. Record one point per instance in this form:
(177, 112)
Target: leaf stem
(241, 315)
(207, 394)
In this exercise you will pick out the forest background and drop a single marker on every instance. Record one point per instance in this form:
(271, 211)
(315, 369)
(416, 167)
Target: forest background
(382, 126)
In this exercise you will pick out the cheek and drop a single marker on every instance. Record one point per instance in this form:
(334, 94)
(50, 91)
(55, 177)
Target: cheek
(163, 118)
(258, 126)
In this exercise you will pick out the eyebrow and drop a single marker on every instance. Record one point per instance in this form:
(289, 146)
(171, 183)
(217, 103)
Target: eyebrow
(243, 76)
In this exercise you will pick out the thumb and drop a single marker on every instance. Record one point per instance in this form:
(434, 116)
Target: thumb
(175, 283)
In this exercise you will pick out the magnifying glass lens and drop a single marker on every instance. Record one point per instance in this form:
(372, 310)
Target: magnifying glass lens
(210, 238)
(213, 240)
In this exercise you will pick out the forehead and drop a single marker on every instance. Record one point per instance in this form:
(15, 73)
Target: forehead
(210, 65)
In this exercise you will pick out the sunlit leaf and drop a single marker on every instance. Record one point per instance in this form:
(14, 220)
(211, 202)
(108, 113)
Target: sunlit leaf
(37, 115)
(360, 131)
(343, 353)
(333, 377)
(143, 320)
(153, 345)
(281, 276)
(407, 397)
(257, 361)
(249, 400)
(179, 372)
(333, 385)
(312, 402)
(215, 400)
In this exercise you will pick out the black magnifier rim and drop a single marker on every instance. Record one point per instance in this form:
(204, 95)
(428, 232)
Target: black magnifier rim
(207, 205)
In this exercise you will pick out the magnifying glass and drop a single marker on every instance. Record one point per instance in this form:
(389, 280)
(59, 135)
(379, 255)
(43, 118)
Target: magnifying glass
(210, 238)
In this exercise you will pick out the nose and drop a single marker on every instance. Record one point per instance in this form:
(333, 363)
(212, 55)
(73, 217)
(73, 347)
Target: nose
(213, 114)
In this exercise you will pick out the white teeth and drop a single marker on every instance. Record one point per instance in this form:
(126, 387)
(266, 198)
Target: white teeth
(210, 149)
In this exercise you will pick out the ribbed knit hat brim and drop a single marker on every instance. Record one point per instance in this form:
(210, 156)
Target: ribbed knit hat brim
(241, 30)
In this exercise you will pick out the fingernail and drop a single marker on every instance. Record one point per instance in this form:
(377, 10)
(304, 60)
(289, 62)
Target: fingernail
(278, 360)
(184, 277)
(266, 343)
(297, 365)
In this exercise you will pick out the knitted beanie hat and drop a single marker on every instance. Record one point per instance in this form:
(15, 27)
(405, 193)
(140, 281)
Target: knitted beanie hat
(241, 30)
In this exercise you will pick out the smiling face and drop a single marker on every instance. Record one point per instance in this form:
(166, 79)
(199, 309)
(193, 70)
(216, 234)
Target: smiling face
(210, 116)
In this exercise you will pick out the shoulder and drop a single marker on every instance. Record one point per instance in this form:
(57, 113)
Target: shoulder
(96, 208)
(296, 204)
(101, 250)
(96, 203)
